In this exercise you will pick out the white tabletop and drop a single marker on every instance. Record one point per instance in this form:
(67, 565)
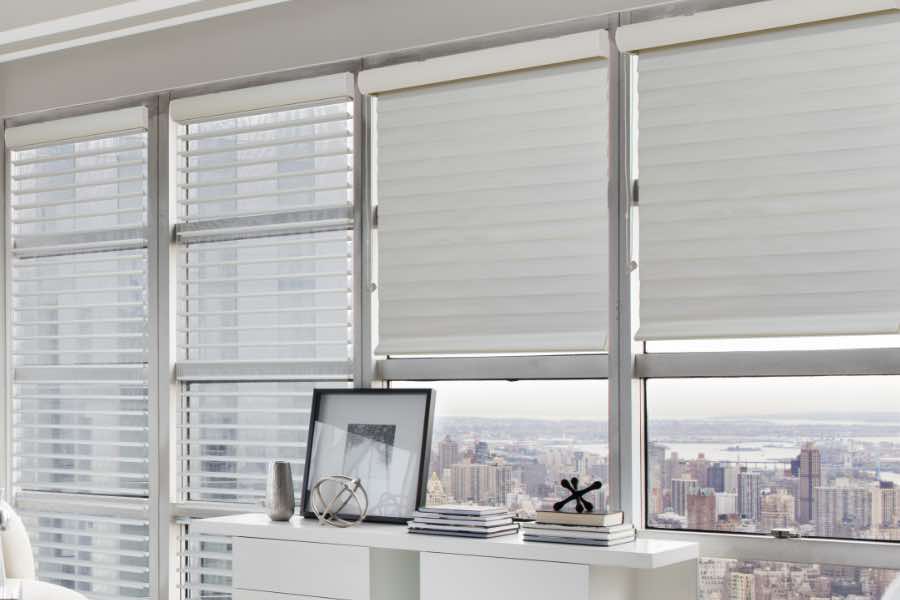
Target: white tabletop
(39, 590)
(640, 554)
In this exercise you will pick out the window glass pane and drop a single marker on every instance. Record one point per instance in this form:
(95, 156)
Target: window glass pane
(725, 579)
(230, 432)
(272, 298)
(509, 443)
(821, 454)
(269, 162)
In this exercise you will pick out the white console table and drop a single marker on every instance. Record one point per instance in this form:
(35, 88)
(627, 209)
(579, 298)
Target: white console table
(303, 560)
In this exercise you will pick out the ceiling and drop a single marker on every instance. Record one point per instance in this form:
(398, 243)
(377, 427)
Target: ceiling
(31, 27)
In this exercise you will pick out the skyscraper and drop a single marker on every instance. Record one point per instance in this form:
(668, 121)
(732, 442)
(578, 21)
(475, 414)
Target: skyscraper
(741, 587)
(715, 476)
(681, 489)
(482, 453)
(844, 510)
(777, 511)
(748, 494)
(809, 478)
(448, 454)
(701, 510)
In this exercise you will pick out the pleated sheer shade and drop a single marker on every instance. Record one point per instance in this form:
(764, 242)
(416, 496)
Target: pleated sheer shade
(769, 184)
(492, 213)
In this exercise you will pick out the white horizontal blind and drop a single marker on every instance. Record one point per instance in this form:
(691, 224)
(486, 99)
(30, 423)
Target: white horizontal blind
(204, 566)
(91, 546)
(267, 298)
(770, 170)
(492, 213)
(264, 287)
(78, 314)
(230, 431)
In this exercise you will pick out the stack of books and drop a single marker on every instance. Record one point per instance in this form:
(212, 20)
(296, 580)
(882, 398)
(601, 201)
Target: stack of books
(461, 520)
(593, 529)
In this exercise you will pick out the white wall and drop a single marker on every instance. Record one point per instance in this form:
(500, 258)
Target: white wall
(294, 34)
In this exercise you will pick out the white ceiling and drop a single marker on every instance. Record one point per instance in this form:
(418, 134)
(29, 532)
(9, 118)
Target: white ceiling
(30, 27)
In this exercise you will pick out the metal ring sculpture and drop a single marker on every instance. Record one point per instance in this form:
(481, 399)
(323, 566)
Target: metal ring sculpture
(328, 510)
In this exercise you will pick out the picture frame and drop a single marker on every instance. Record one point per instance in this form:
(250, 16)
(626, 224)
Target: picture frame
(380, 436)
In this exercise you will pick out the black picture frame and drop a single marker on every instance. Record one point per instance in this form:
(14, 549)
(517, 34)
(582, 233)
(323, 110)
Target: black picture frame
(321, 395)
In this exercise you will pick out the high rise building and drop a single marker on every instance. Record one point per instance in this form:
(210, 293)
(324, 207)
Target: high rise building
(844, 511)
(777, 511)
(726, 503)
(699, 470)
(809, 477)
(681, 489)
(481, 484)
(482, 453)
(740, 587)
(448, 454)
(731, 475)
(715, 476)
(435, 491)
(701, 510)
(748, 494)
(890, 503)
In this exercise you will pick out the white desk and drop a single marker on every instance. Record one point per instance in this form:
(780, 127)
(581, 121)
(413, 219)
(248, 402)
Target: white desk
(302, 560)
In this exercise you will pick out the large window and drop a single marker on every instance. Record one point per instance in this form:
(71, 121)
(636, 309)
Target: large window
(264, 284)
(79, 351)
(510, 443)
(751, 455)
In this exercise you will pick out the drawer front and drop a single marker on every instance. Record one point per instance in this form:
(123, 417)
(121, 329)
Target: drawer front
(451, 577)
(255, 595)
(301, 568)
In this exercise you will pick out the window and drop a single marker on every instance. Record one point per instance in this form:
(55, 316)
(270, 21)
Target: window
(492, 203)
(79, 359)
(752, 455)
(264, 285)
(509, 443)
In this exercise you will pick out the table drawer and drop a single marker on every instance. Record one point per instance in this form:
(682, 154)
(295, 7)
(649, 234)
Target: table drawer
(451, 577)
(301, 568)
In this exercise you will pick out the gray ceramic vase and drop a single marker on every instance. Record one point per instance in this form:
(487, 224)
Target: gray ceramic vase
(280, 491)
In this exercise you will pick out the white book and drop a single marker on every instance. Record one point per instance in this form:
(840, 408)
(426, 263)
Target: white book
(479, 522)
(465, 509)
(461, 528)
(465, 534)
(585, 542)
(586, 528)
(585, 535)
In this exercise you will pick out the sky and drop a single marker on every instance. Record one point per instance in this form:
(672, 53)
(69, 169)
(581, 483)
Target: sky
(669, 398)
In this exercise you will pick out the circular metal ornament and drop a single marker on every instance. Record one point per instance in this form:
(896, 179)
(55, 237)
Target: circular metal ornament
(348, 489)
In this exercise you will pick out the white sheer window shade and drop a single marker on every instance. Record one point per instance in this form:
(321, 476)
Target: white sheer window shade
(769, 176)
(78, 316)
(492, 213)
(90, 544)
(264, 284)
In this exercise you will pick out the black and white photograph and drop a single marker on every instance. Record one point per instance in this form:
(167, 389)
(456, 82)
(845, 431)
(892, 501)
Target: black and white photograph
(381, 438)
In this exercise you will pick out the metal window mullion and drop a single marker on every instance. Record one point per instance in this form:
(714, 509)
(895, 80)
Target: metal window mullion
(361, 307)
(625, 419)
(6, 477)
(162, 218)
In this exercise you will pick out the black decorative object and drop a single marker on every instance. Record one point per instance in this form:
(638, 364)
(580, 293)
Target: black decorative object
(581, 503)
(380, 438)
